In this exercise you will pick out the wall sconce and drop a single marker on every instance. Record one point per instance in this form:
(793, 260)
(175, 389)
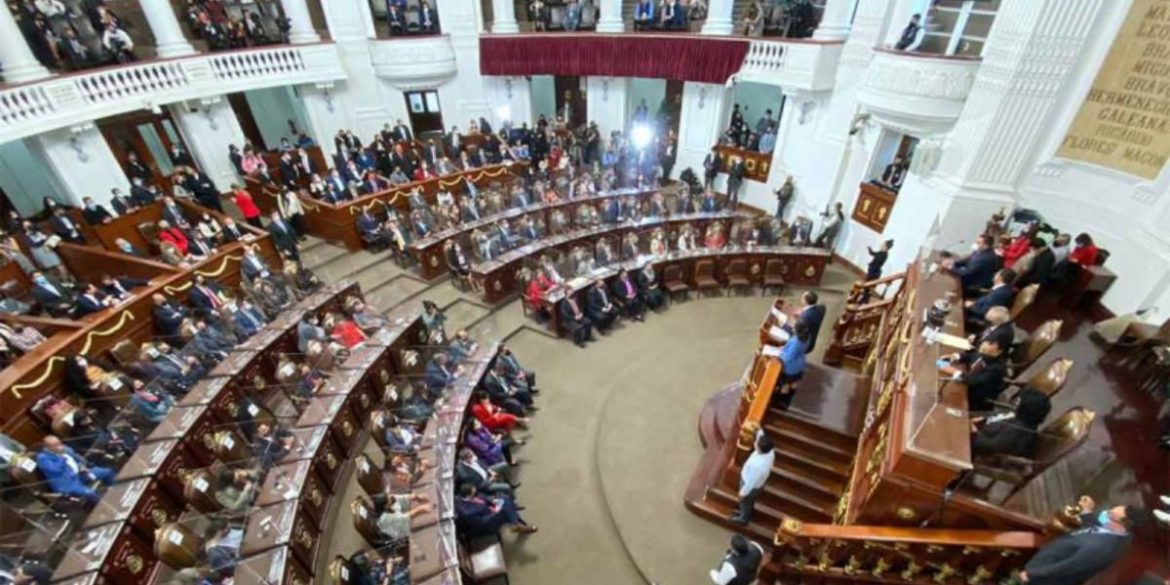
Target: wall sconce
(324, 88)
(508, 87)
(605, 89)
(860, 121)
(702, 97)
(806, 108)
(75, 142)
(207, 104)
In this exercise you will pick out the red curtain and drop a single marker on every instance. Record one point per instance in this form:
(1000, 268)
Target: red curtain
(680, 57)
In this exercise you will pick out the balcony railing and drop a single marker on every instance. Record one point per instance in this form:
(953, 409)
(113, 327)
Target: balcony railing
(414, 62)
(804, 65)
(67, 100)
(918, 91)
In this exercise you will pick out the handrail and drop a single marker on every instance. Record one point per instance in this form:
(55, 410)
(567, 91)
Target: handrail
(793, 529)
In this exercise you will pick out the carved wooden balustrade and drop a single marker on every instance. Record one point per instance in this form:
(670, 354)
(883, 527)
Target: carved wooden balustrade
(885, 554)
(753, 406)
(858, 327)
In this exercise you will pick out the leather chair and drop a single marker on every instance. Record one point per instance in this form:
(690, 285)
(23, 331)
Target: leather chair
(26, 473)
(230, 447)
(672, 281)
(339, 573)
(773, 274)
(1056, 440)
(369, 476)
(378, 423)
(365, 521)
(1034, 346)
(1024, 299)
(705, 275)
(483, 559)
(124, 353)
(1050, 380)
(737, 276)
(199, 489)
(177, 546)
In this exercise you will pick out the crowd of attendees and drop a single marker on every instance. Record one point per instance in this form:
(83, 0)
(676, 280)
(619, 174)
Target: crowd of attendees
(70, 35)
(410, 17)
(228, 25)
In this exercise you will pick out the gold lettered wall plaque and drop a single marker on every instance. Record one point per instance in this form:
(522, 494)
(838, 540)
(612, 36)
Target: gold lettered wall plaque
(1124, 121)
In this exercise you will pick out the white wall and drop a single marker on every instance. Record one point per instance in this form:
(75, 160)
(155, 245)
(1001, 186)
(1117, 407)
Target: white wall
(608, 103)
(26, 190)
(653, 91)
(272, 108)
(544, 97)
(82, 164)
(208, 128)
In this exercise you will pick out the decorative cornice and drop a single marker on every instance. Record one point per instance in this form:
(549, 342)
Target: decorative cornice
(418, 63)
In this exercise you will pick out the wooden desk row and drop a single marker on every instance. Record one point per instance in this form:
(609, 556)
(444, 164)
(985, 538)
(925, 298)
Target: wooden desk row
(337, 222)
(150, 489)
(798, 265)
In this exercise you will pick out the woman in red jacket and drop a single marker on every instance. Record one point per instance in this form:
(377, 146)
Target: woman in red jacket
(494, 417)
(247, 206)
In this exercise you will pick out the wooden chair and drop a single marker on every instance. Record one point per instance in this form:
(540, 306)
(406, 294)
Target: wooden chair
(149, 232)
(705, 275)
(1024, 299)
(124, 353)
(231, 447)
(199, 490)
(365, 521)
(672, 281)
(773, 274)
(25, 472)
(177, 545)
(1036, 344)
(378, 422)
(1050, 380)
(483, 559)
(369, 476)
(1056, 440)
(737, 275)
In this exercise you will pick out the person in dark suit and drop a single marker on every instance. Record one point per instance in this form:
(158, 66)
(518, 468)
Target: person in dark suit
(986, 368)
(487, 480)
(90, 301)
(402, 132)
(52, 295)
(511, 398)
(1039, 270)
(231, 232)
(121, 288)
(1001, 295)
(813, 315)
(203, 190)
(122, 204)
(599, 306)
(625, 290)
(142, 193)
(246, 320)
(998, 326)
(68, 473)
(167, 316)
(479, 516)
(205, 296)
(173, 214)
(95, 214)
(283, 236)
(1012, 433)
(136, 170)
(270, 446)
(977, 270)
(438, 376)
(575, 322)
(433, 153)
(64, 227)
(371, 231)
(710, 168)
(1080, 555)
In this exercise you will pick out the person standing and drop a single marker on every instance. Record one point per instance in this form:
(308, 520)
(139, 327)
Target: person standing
(292, 210)
(710, 168)
(247, 206)
(833, 221)
(784, 196)
(753, 476)
(812, 315)
(741, 563)
(1081, 554)
(878, 259)
(734, 182)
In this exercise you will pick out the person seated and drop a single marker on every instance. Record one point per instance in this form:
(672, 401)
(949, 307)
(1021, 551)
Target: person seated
(461, 347)
(986, 368)
(401, 437)
(515, 372)
(1001, 294)
(977, 270)
(491, 448)
(574, 321)
(91, 300)
(998, 326)
(644, 15)
(221, 548)
(478, 516)
(309, 329)
(236, 489)
(367, 319)
(648, 287)
(1039, 268)
(67, 473)
(150, 404)
(514, 399)
(488, 480)
(625, 291)
(1012, 433)
(715, 239)
(345, 331)
(246, 319)
(493, 417)
(1084, 252)
(439, 375)
(270, 446)
(120, 288)
(394, 521)
(600, 307)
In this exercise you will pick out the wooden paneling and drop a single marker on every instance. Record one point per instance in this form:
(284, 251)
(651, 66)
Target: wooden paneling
(874, 206)
(756, 164)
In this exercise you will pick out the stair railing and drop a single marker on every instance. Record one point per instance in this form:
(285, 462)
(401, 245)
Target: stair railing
(856, 330)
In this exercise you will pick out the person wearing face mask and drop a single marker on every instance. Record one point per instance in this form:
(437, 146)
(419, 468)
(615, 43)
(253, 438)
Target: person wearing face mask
(1078, 556)
(173, 214)
(977, 270)
(309, 329)
(246, 319)
(64, 226)
(232, 232)
(127, 248)
(52, 295)
(95, 214)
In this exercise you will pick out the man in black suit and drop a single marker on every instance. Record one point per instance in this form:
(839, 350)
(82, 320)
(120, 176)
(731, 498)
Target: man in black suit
(91, 301)
(78, 55)
(283, 237)
(205, 296)
(167, 316)
(600, 307)
(999, 326)
(574, 321)
(232, 232)
(487, 480)
(52, 295)
(402, 132)
(813, 315)
(136, 170)
(1001, 295)
(432, 153)
(120, 288)
(984, 374)
(237, 159)
(625, 290)
(95, 214)
(511, 398)
(121, 203)
(479, 516)
(203, 190)
(142, 193)
(64, 227)
(173, 214)
(976, 271)
(1039, 271)
(1083, 553)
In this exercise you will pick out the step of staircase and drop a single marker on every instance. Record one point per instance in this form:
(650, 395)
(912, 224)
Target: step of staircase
(773, 504)
(803, 423)
(811, 447)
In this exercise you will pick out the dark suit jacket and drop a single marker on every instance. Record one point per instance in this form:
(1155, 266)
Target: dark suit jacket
(46, 297)
(86, 305)
(1000, 296)
(978, 269)
(167, 318)
(436, 378)
(476, 518)
(464, 473)
(813, 317)
(595, 303)
(1075, 558)
(200, 299)
(568, 317)
(1040, 271)
(283, 239)
(986, 384)
(232, 233)
(61, 229)
(1005, 437)
(96, 215)
(175, 216)
(1004, 334)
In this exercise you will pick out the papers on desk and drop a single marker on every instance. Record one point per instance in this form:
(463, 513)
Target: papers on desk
(954, 341)
(770, 351)
(781, 316)
(779, 334)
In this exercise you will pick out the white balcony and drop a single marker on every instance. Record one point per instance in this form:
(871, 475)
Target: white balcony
(413, 63)
(917, 92)
(796, 65)
(68, 100)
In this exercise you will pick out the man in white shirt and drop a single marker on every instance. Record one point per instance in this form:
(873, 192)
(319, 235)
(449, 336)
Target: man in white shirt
(741, 563)
(753, 476)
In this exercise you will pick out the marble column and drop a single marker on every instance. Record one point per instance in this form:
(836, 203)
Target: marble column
(836, 20)
(81, 161)
(504, 13)
(610, 19)
(15, 56)
(301, 25)
(168, 36)
(208, 126)
(719, 13)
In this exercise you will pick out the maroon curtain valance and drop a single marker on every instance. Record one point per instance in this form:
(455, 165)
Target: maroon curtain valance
(680, 57)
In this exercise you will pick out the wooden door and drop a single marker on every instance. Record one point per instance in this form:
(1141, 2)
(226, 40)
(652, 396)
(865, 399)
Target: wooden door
(243, 112)
(150, 137)
(570, 93)
(426, 113)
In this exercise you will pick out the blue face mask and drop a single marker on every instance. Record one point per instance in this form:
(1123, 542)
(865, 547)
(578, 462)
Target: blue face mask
(1103, 518)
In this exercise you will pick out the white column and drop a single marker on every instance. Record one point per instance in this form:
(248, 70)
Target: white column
(835, 21)
(301, 25)
(169, 39)
(81, 161)
(16, 58)
(504, 13)
(610, 18)
(719, 14)
(700, 123)
(208, 126)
